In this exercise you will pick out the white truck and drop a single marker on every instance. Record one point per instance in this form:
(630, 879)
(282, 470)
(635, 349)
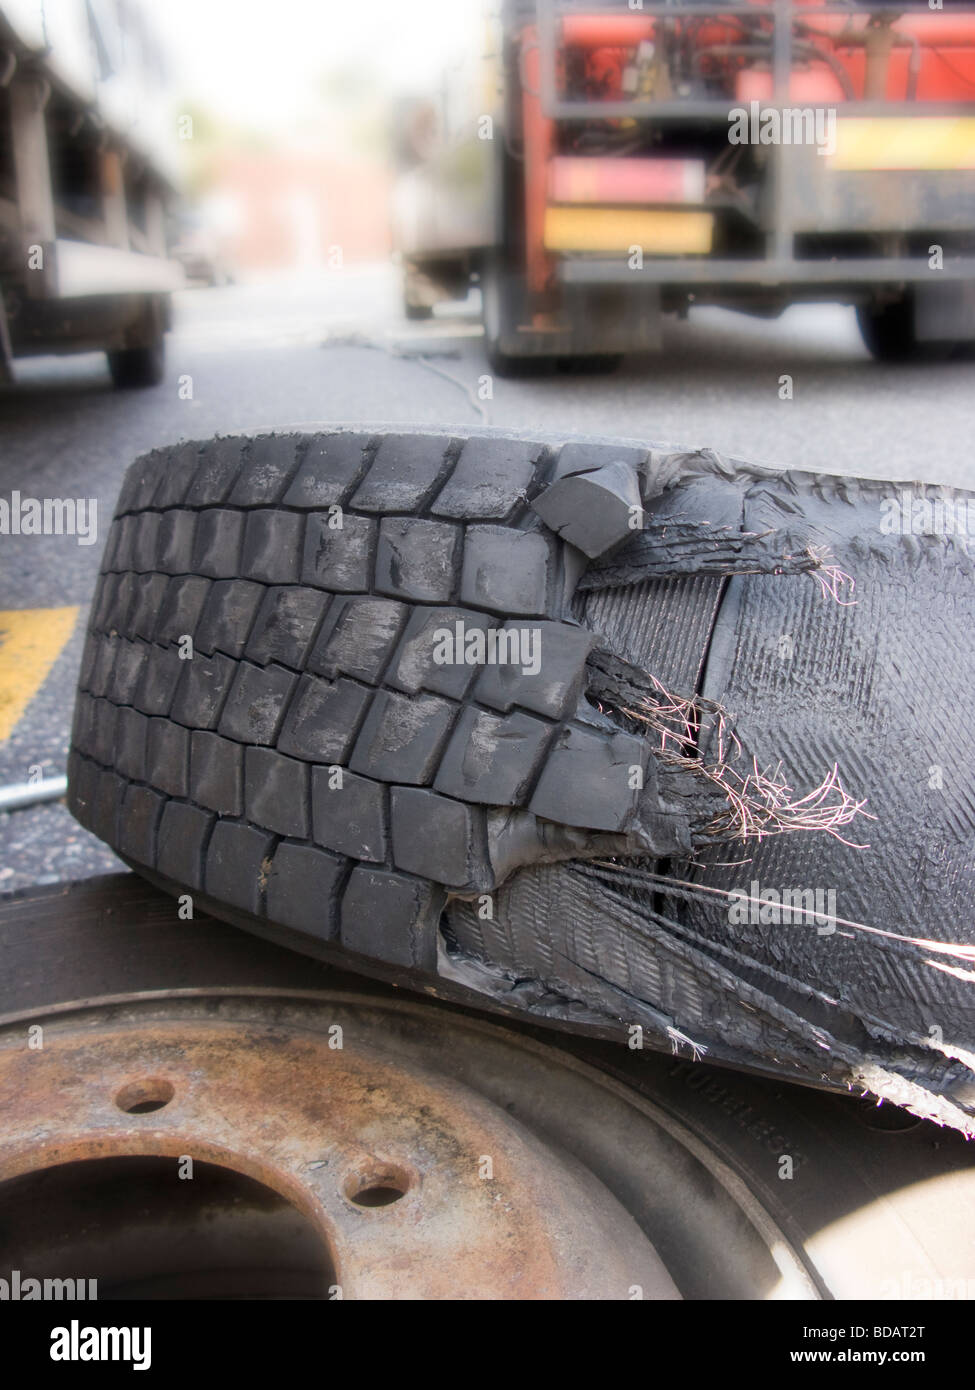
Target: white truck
(87, 169)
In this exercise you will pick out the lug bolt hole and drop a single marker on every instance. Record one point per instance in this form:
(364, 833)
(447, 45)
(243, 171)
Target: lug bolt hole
(144, 1096)
(380, 1186)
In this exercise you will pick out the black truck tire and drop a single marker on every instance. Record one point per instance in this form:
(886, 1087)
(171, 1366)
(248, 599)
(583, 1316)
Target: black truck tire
(138, 367)
(888, 330)
(141, 361)
(288, 708)
(503, 309)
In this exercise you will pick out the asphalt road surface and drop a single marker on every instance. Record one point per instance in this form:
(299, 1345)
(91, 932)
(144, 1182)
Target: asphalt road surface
(305, 351)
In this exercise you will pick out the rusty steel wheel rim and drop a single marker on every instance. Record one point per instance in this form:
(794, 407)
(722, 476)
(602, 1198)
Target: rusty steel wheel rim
(409, 1146)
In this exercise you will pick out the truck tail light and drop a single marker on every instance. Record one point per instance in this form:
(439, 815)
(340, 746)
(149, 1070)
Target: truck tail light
(614, 181)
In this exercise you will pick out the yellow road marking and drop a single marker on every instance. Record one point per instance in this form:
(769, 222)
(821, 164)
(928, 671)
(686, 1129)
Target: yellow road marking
(31, 640)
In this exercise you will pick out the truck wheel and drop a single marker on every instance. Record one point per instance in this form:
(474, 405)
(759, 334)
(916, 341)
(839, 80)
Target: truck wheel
(399, 696)
(420, 293)
(888, 330)
(889, 334)
(511, 368)
(497, 293)
(609, 1150)
(591, 364)
(132, 368)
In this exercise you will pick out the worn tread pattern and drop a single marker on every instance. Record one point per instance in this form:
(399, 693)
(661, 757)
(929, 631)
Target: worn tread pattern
(310, 738)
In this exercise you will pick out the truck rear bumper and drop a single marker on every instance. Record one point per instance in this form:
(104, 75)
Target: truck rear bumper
(839, 274)
(83, 270)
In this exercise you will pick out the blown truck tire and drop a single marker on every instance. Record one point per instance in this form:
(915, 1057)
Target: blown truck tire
(634, 741)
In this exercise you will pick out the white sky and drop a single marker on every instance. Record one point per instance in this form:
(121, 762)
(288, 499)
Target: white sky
(255, 61)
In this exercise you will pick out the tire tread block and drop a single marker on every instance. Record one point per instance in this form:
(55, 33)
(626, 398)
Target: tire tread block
(331, 467)
(131, 745)
(402, 737)
(104, 732)
(271, 461)
(130, 660)
(180, 610)
(256, 703)
(406, 469)
(506, 571)
(491, 759)
(594, 511)
(220, 461)
(323, 719)
(201, 691)
(150, 597)
(227, 616)
(489, 479)
(276, 792)
(437, 838)
(357, 638)
(237, 864)
(103, 664)
(178, 473)
(217, 773)
(139, 810)
(417, 559)
(560, 653)
(160, 677)
(587, 777)
(431, 654)
(170, 551)
(339, 558)
(349, 814)
(109, 816)
(285, 626)
(181, 841)
(167, 756)
(217, 549)
(391, 917)
(272, 546)
(303, 889)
